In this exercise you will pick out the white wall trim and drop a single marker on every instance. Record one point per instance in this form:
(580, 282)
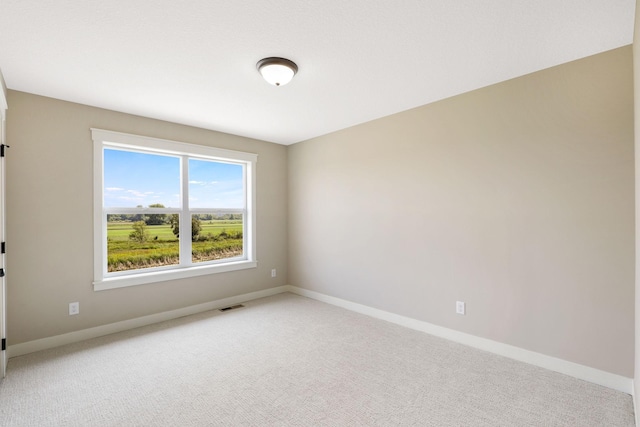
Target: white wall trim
(596, 376)
(635, 404)
(3, 97)
(607, 379)
(103, 140)
(98, 331)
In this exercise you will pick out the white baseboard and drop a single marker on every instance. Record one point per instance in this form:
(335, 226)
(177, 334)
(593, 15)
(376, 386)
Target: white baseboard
(85, 334)
(635, 404)
(607, 379)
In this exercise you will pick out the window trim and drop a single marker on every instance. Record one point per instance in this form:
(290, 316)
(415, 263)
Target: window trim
(104, 138)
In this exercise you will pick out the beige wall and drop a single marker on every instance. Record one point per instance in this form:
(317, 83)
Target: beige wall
(50, 229)
(517, 199)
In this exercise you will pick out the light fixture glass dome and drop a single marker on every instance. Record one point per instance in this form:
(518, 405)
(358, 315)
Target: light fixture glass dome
(277, 71)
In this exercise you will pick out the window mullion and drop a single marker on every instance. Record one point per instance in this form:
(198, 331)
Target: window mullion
(135, 211)
(185, 216)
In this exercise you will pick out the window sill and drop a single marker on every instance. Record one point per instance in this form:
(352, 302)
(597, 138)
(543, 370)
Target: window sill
(161, 276)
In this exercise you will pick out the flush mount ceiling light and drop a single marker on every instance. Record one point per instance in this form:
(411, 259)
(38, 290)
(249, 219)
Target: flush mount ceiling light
(277, 71)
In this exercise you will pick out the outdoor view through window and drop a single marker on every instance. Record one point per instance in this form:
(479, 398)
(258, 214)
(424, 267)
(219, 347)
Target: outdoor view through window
(148, 208)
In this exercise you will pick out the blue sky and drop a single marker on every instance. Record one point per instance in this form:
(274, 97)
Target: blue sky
(132, 179)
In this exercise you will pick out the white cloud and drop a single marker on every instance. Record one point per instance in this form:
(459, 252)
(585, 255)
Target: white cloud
(136, 193)
(114, 189)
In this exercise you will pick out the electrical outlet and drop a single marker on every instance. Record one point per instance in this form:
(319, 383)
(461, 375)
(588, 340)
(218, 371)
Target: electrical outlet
(460, 308)
(74, 308)
(273, 273)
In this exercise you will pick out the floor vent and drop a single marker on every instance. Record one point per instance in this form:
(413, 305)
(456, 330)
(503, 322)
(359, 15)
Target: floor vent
(233, 307)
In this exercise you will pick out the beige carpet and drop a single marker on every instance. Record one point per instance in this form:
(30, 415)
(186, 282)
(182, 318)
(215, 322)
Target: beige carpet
(291, 361)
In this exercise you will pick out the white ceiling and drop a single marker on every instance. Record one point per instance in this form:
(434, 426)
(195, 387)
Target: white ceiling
(193, 61)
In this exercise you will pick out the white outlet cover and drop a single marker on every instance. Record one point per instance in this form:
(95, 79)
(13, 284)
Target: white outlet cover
(74, 308)
(460, 307)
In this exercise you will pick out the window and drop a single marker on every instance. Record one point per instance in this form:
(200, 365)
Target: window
(167, 210)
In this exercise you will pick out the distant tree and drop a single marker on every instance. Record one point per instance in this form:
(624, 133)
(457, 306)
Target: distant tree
(138, 217)
(139, 233)
(174, 222)
(195, 228)
(156, 219)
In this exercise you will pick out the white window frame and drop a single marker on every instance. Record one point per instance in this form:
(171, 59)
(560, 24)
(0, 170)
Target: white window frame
(108, 139)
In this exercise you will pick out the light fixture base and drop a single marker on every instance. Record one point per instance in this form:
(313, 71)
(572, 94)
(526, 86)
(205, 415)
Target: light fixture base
(277, 71)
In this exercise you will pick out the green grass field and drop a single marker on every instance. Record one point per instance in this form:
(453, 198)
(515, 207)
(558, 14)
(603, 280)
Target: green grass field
(120, 230)
(162, 248)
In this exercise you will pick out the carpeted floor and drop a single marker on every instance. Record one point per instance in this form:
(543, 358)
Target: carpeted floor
(291, 361)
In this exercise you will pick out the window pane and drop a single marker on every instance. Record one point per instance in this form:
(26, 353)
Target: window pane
(133, 244)
(134, 179)
(215, 185)
(216, 236)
